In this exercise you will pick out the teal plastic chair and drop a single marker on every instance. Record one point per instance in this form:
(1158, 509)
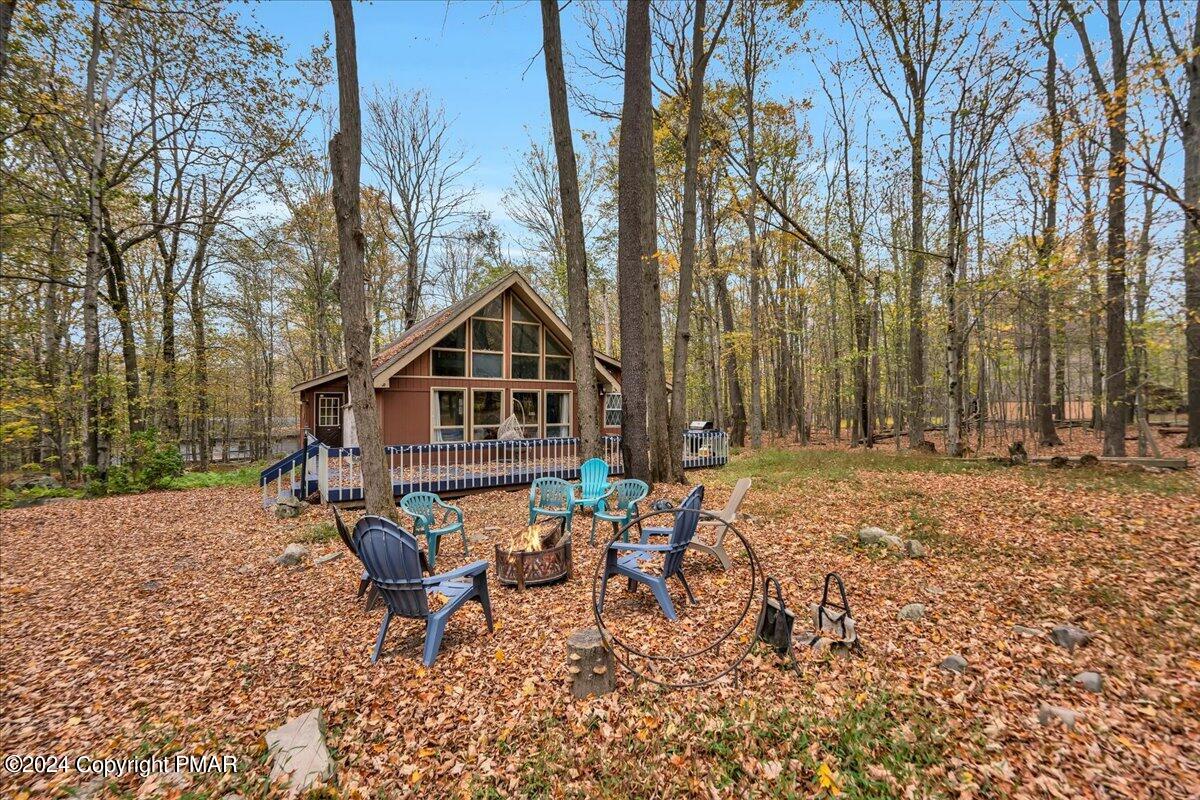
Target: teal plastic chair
(423, 508)
(593, 483)
(551, 497)
(623, 500)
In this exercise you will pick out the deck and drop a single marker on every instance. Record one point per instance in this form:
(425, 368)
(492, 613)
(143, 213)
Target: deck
(335, 473)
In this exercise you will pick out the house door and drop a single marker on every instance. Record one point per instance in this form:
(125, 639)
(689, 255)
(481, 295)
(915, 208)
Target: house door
(329, 419)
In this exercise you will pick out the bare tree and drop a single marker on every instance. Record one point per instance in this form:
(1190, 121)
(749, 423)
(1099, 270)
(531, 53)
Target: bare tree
(345, 159)
(578, 307)
(409, 147)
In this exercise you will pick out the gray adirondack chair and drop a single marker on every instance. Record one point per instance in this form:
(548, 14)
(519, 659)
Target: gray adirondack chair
(716, 528)
(630, 566)
(364, 580)
(393, 561)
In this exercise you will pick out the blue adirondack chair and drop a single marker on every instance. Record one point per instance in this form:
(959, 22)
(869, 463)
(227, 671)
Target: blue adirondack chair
(593, 483)
(364, 580)
(673, 552)
(393, 561)
(620, 506)
(423, 508)
(551, 497)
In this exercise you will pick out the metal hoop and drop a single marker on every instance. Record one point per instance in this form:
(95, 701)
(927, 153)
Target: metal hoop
(725, 635)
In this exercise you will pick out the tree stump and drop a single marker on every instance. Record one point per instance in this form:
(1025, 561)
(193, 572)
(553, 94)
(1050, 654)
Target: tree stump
(590, 663)
(1017, 454)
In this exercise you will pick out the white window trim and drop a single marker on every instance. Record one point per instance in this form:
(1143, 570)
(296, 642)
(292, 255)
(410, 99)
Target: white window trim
(570, 409)
(341, 401)
(434, 427)
(512, 409)
(608, 406)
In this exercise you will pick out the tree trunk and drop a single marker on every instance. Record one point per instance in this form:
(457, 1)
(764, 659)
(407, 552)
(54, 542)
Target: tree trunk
(202, 438)
(1191, 238)
(737, 407)
(578, 305)
(687, 247)
(345, 158)
(91, 283)
(916, 284)
(635, 218)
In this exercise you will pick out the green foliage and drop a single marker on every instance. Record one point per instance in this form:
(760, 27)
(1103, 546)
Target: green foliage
(319, 533)
(246, 475)
(150, 463)
(775, 467)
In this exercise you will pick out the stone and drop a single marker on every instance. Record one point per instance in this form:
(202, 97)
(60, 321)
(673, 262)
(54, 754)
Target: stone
(1060, 462)
(288, 506)
(1053, 715)
(247, 569)
(955, 663)
(39, 480)
(292, 555)
(871, 535)
(913, 612)
(298, 752)
(151, 586)
(1090, 681)
(914, 549)
(1069, 637)
(325, 559)
(894, 542)
(1021, 630)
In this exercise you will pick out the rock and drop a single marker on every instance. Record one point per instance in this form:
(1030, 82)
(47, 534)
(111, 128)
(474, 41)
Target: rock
(955, 663)
(894, 542)
(298, 752)
(1090, 681)
(1021, 630)
(247, 569)
(871, 535)
(50, 501)
(913, 612)
(914, 549)
(1059, 462)
(1069, 637)
(151, 586)
(288, 506)
(38, 480)
(292, 555)
(325, 559)
(1050, 715)
(1088, 460)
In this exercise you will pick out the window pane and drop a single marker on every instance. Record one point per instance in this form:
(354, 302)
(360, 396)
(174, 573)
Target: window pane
(525, 367)
(449, 362)
(486, 365)
(553, 348)
(612, 410)
(521, 313)
(487, 334)
(448, 435)
(457, 338)
(525, 338)
(449, 408)
(525, 406)
(494, 309)
(486, 408)
(558, 407)
(558, 369)
(558, 431)
(484, 433)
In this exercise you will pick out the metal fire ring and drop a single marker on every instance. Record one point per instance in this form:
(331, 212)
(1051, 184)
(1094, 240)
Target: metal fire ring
(725, 635)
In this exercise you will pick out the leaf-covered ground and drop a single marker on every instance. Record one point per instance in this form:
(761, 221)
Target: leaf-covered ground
(157, 624)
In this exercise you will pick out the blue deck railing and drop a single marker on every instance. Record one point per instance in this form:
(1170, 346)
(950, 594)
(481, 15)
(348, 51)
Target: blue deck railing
(336, 472)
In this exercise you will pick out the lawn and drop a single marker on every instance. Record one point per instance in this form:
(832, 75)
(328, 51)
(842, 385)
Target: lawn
(157, 623)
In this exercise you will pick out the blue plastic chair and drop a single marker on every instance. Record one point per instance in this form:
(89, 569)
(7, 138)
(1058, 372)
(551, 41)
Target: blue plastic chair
(593, 483)
(423, 508)
(623, 500)
(364, 580)
(673, 552)
(551, 497)
(393, 561)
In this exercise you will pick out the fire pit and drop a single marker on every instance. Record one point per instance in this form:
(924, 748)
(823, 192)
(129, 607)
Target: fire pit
(538, 554)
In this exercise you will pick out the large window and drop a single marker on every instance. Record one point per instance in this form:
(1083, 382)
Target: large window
(485, 414)
(487, 341)
(526, 406)
(558, 360)
(449, 355)
(526, 343)
(449, 419)
(612, 410)
(558, 415)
